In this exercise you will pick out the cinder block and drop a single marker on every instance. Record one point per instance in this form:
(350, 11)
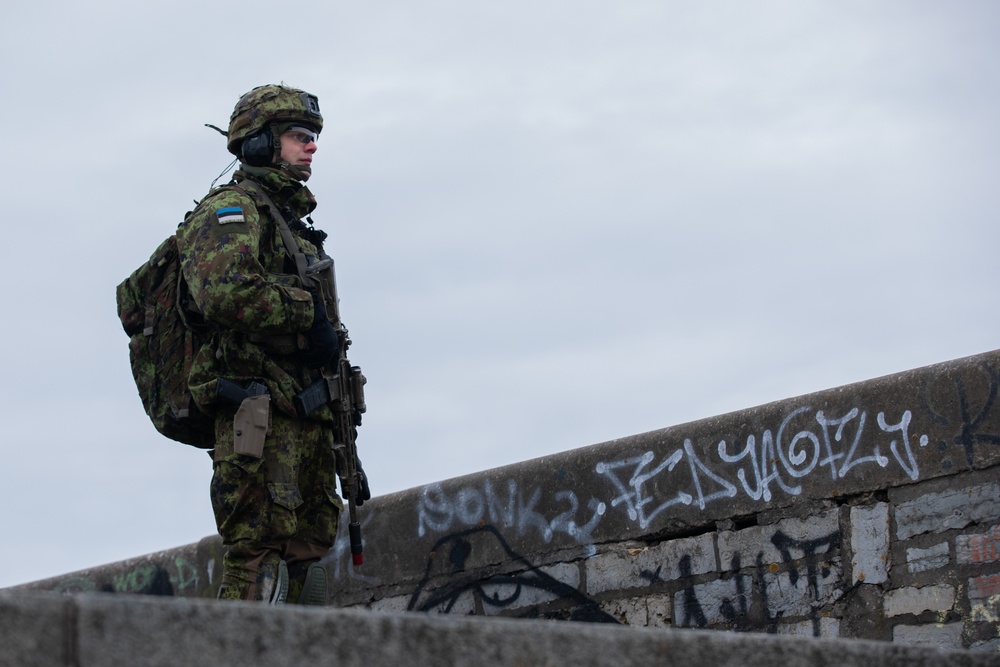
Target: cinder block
(984, 587)
(819, 627)
(870, 543)
(801, 591)
(398, 603)
(912, 600)
(981, 548)
(637, 568)
(937, 635)
(714, 602)
(652, 611)
(949, 510)
(931, 558)
(984, 599)
(789, 539)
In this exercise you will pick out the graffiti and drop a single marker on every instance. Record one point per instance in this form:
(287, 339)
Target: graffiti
(813, 554)
(805, 583)
(963, 402)
(439, 512)
(693, 612)
(833, 444)
(147, 578)
(525, 589)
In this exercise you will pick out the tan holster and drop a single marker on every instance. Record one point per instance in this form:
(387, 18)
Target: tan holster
(251, 425)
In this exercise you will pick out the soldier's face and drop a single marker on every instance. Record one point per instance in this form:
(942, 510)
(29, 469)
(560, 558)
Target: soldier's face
(298, 146)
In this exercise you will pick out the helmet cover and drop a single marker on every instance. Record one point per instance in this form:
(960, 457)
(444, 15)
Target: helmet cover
(270, 105)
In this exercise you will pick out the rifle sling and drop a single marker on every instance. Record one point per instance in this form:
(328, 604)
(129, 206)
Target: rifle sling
(287, 237)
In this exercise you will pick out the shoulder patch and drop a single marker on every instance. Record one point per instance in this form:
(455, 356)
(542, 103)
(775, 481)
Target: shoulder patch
(230, 214)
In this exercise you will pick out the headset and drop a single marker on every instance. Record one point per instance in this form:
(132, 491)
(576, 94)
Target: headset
(257, 149)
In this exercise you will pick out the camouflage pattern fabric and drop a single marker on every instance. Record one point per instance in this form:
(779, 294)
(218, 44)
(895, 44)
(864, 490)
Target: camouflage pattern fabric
(263, 505)
(235, 267)
(283, 505)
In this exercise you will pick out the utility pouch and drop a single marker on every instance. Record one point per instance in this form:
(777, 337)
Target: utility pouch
(251, 425)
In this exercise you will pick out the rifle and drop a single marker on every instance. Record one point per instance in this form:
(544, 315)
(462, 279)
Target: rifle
(342, 389)
(342, 385)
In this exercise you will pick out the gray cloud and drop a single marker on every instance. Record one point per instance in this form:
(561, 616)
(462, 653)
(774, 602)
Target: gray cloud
(555, 224)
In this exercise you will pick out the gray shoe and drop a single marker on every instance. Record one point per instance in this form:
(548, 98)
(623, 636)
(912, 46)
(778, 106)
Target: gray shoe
(314, 589)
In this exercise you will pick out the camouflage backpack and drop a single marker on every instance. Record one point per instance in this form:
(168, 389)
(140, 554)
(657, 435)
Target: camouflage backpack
(164, 333)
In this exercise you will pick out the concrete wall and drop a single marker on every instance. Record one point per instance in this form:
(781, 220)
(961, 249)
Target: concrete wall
(866, 511)
(93, 630)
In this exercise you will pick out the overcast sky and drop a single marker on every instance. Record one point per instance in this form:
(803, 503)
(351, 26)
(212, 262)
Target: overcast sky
(555, 222)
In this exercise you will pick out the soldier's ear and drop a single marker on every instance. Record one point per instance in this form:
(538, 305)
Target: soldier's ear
(258, 149)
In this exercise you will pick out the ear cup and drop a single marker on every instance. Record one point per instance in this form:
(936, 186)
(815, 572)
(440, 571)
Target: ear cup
(257, 149)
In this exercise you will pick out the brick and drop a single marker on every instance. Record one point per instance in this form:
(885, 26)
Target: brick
(931, 558)
(801, 591)
(912, 600)
(820, 627)
(738, 549)
(982, 548)
(651, 611)
(638, 568)
(988, 646)
(938, 635)
(714, 602)
(949, 510)
(981, 588)
(984, 599)
(870, 543)
(393, 604)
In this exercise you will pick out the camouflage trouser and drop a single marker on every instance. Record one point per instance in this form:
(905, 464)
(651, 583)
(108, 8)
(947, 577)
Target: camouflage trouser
(282, 506)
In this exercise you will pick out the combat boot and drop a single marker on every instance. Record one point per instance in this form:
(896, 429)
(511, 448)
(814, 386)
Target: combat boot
(314, 590)
(272, 584)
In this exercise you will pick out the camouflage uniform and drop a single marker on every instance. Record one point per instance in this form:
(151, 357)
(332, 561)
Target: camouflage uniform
(282, 506)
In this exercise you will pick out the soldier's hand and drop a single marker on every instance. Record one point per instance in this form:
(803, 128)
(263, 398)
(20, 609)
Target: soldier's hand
(324, 343)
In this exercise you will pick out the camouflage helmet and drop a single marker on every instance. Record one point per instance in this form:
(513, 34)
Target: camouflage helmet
(271, 105)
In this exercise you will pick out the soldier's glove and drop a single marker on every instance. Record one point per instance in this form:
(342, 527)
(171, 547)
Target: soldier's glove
(324, 343)
(363, 492)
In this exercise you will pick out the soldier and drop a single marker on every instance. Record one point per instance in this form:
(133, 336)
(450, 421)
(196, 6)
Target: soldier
(274, 483)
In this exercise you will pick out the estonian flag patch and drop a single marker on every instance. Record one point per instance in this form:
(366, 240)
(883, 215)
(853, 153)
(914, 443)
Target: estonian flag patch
(231, 214)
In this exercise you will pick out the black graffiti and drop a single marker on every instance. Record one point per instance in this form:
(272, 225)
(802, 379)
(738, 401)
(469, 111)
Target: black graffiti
(693, 613)
(737, 608)
(812, 549)
(498, 591)
(962, 407)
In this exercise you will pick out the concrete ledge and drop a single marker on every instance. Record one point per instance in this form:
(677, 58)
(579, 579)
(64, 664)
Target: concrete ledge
(96, 630)
(869, 511)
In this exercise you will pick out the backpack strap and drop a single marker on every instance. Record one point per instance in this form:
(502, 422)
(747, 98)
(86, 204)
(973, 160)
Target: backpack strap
(287, 237)
(283, 344)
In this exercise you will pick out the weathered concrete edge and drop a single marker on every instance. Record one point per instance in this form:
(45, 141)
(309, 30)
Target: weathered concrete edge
(185, 571)
(91, 630)
(397, 559)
